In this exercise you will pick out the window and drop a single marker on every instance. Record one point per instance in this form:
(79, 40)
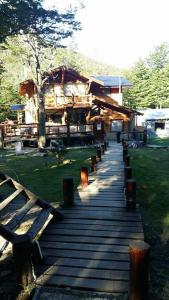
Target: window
(117, 125)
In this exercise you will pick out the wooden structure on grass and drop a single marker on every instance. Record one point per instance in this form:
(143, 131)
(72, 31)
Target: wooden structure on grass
(23, 216)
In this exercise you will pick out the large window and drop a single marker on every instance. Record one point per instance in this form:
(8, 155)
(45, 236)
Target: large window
(117, 125)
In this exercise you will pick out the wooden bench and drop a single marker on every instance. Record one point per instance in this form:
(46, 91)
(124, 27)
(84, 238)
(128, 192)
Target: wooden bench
(23, 217)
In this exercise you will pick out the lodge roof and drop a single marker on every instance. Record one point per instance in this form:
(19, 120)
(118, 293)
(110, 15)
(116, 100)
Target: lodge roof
(113, 81)
(109, 103)
(155, 114)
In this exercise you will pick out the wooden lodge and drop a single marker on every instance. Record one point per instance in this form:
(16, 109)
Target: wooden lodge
(75, 105)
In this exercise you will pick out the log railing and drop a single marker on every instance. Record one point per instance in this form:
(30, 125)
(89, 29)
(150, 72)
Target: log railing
(32, 130)
(140, 136)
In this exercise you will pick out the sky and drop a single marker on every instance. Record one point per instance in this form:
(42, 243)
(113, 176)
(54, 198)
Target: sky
(119, 32)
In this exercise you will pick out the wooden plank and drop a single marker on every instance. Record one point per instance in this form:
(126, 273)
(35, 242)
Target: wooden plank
(99, 203)
(108, 199)
(81, 239)
(101, 222)
(104, 213)
(19, 215)
(96, 227)
(103, 188)
(10, 198)
(39, 223)
(101, 196)
(87, 284)
(87, 263)
(102, 193)
(6, 233)
(42, 203)
(85, 246)
(97, 233)
(120, 209)
(86, 273)
(101, 216)
(5, 181)
(94, 255)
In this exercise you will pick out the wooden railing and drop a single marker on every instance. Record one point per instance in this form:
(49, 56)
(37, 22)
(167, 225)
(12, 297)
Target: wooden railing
(132, 136)
(26, 131)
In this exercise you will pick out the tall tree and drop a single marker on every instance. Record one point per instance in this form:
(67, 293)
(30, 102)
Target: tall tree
(42, 28)
(150, 79)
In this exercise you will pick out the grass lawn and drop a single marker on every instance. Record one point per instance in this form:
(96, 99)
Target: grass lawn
(43, 175)
(159, 141)
(151, 171)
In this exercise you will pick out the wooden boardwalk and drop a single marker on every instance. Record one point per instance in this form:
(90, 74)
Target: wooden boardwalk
(89, 249)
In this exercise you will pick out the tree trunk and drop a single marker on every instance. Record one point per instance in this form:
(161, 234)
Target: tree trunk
(42, 118)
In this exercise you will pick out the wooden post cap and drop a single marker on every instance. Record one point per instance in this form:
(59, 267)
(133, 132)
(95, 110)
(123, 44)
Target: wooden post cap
(139, 269)
(137, 246)
(84, 177)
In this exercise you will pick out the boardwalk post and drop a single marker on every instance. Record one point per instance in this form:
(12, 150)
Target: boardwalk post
(127, 173)
(105, 145)
(118, 136)
(22, 250)
(125, 146)
(125, 152)
(84, 177)
(127, 160)
(99, 154)
(68, 192)
(145, 137)
(102, 148)
(93, 163)
(131, 193)
(139, 265)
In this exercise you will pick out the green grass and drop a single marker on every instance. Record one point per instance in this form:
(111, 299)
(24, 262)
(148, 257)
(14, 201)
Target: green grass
(151, 171)
(159, 141)
(42, 175)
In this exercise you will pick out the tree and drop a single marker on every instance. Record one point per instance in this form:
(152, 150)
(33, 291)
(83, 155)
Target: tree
(150, 79)
(159, 57)
(136, 96)
(42, 29)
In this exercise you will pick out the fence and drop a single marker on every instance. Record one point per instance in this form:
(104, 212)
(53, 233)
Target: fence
(28, 131)
(133, 136)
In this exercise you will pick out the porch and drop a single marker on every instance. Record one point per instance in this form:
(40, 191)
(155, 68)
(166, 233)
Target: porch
(83, 134)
